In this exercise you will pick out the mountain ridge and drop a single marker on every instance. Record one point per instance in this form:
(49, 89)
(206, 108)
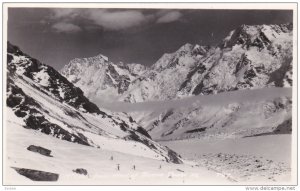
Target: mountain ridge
(236, 63)
(249, 57)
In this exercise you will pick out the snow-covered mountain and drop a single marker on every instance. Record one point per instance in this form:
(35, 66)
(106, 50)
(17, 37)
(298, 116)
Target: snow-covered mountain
(249, 57)
(98, 77)
(41, 100)
(163, 80)
(133, 82)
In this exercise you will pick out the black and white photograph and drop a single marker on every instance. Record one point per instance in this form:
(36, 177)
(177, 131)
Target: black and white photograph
(149, 94)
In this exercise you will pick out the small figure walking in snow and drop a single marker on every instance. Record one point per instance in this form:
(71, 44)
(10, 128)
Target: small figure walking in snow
(111, 158)
(118, 167)
(133, 167)
(159, 167)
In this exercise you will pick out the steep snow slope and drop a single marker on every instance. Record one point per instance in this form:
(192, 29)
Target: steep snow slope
(46, 102)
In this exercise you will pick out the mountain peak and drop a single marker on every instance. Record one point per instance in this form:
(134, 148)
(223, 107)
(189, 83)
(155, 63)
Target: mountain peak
(48, 80)
(256, 35)
(101, 56)
(186, 48)
(98, 59)
(200, 50)
(195, 69)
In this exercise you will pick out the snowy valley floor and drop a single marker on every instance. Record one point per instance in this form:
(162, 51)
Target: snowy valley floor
(260, 159)
(101, 170)
(209, 162)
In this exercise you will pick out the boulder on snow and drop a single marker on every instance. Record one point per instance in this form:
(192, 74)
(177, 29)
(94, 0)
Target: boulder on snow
(80, 171)
(37, 175)
(41, 150)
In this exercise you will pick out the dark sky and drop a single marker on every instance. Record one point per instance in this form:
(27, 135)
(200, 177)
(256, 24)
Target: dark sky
(55, 36)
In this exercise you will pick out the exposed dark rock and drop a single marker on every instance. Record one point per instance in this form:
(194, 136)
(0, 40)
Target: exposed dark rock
(35, 119)
(20, 113)
(123, 81)
(41, 150)
(199, 69)
(14, 49)
(168, 114)
(174, 157)
(179, 170)
(37, 175)
(202, 129)
(143, 132)
(242, 37)
(13, 101)
(242, 62)
(249, 74)
(278, 75)
(131, 120)
(123, 85)
(133, 136)
(176, 126)
(284, 128)
(123, 127)
(40, 123)
(80, 171)
(201, 89)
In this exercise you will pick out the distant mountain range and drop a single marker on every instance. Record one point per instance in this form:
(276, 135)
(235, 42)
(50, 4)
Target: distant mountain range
(250, 57)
